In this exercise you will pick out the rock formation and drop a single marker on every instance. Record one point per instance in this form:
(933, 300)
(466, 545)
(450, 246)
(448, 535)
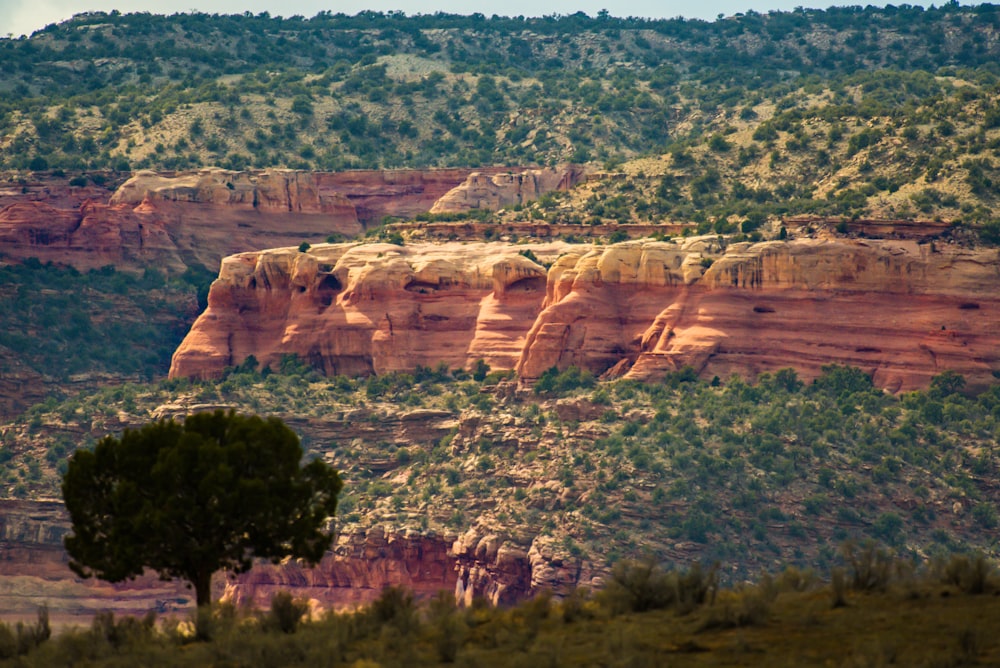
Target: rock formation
(357, 309)
(482, 190)
(901, 310)
(360, 566)
(173, 221)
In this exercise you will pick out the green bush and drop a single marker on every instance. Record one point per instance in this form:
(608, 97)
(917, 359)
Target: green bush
(286, 612)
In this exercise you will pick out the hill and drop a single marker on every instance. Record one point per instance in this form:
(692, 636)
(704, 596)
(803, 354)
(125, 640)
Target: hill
(737, 141)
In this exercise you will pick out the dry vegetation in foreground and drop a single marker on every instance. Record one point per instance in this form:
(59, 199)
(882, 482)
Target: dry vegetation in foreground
(876, 610)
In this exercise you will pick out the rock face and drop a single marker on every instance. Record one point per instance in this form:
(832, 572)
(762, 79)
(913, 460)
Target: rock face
(504, 573)
(482, 190)
(360, 567)
(173, 221)
(358, 309)
(35, 572)
(901, 310)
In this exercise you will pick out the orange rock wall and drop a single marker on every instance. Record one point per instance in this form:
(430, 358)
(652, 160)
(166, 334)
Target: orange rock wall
(357, 309)
(903, 311)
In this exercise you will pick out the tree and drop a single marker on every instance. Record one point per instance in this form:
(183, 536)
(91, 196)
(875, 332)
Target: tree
(187, 499)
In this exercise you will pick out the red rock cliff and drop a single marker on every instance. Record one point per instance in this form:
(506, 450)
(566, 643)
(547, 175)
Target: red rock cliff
(357, 309)
(493, 191)
(175, 220)
(360, 565)
(903, 311)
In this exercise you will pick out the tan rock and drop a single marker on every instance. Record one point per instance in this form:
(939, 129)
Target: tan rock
(483, 190)
(173, 221)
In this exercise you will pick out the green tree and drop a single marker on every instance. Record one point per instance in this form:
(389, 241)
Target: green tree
(187, 499)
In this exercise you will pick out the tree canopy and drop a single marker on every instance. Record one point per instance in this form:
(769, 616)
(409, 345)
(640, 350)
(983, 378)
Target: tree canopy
(187, 499)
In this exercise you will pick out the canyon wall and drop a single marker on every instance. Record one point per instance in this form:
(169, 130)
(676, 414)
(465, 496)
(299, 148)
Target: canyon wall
(175, 220)
(368, 308)
(493, 191)
(901, 310)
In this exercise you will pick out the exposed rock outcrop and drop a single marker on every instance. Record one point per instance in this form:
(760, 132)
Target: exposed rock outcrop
(360, 566)
(502, 572)
(902, 311)
(356, 309)
(482, 190)
(173, 221)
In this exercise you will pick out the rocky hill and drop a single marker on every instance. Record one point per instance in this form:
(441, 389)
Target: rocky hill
(492, 490)
(148, 246)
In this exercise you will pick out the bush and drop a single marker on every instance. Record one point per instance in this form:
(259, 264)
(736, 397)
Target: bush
(871, 568)
(395, 607)
(448, 627)
(24, 637)
(560, 382)
(970, 573)
(747, 606)
(286, 612)
(643, 586)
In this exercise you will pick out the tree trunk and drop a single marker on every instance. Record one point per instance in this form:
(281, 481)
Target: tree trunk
(203, 595)
(202, 588)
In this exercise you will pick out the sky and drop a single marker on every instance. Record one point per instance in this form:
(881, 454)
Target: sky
(22, 17)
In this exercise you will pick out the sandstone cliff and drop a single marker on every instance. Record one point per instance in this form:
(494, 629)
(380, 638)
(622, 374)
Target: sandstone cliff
(482, 190)
(173, 221)
(360, 565)
(357, 309)
(901, 310)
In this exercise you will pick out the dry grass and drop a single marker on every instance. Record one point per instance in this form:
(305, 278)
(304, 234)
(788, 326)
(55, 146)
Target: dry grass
(778, 621)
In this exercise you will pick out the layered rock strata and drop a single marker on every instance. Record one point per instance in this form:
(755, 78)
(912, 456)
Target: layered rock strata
(368, 308)
(483, 190)
(360, 566)
(175, 220)
(901, 310)
(362, 563)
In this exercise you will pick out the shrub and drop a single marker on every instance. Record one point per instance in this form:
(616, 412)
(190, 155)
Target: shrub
(871, 568)
(747, 606)
(556, 381)
(24, 637)
(642, 586)
(125, 631)
(395, 607)
(838, 587)
(970, 573)
(286, 612)
(448, 627)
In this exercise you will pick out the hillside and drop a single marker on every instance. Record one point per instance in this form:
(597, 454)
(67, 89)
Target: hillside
(748, 228)
(569, 477)
(333, 92)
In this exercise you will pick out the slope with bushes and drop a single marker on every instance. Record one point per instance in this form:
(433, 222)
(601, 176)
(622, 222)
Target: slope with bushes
(750, 475)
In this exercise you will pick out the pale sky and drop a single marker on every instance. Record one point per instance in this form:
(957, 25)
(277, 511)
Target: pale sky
(22, 17)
